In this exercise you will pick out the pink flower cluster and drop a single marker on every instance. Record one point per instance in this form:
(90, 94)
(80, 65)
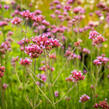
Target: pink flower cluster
(23, 43)
(77, 44)
(42, 78)
(101, 104)
(79, 10)
(33, 50)
(52, 56)
(16, 20)
(10, 33)
(44, 68)
(2, 70)
(25, 61)
(46, 43)
(101, 60)
(71, 1)
(3, 23)
(71, 55)
(26, 14)
(99, 40)
(77, 75)
(84, 98)
(56, 93)
(86, 51)
(96, 38)
(93, 34)
(70, 79)
(4, 47)
(34, 16)
(68, 53)
(14, 60)
(5, 86)
(6, 7)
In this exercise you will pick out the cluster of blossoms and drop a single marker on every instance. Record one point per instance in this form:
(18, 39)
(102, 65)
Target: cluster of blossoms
(42, 79)
(98, 13)
(2, 70)
(46, 43)
(5, 6)
(52, 56)
(4, 47)
(85, 51)
(25, 62)
(107, 18)
(93, 34)
(101, 60)
(58, 30)
(71, 55)
(70, 1)
(81, 30)
(44, 68)
(33, 50)
(9, 38)
(16, 20)
(96, 38)
(79, 10)
(10, 33)
(84, 98)
(35, 17)
(103, 6)
(76, 76)
(93, 24)
(3, 23)
(14, 60)
(77, 44)
(102, 104)
(74, 56)
(5, 86)
(56, 93)
(23, 42)
(28, 15)
(62, 13)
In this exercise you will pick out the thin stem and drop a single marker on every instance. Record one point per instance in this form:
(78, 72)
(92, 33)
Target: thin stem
(2, 96)
(59, 74)
(83, 106)
(64, 95)
(34, 85)
(40, 89)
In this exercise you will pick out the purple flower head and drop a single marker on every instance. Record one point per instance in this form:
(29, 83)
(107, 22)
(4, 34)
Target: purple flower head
(84, 98)
(56, 93)
(5, 86)
(93, 34)
(107, 19)
(79, 10)
(6, 7)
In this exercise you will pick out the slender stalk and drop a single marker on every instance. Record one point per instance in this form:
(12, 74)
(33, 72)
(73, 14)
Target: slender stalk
(64, 95)
(47, 61)
(78, 92)
(96, 79)
(34, 85)
(83, 106)
(59, 73)
(2, 96)
(40, 89)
